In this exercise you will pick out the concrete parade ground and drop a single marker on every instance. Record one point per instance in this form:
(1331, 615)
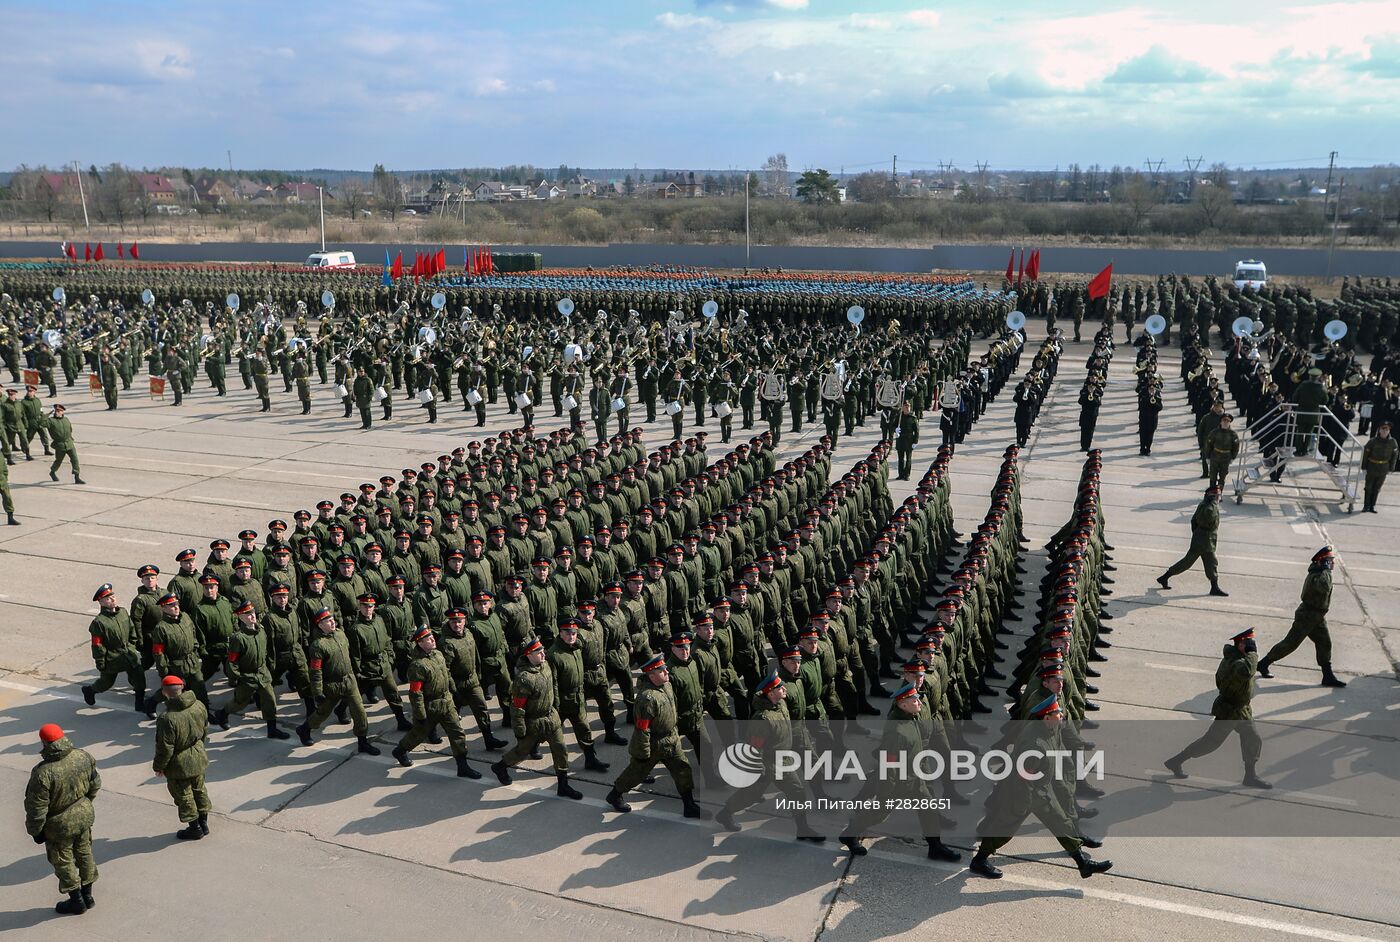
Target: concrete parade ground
(320, 842)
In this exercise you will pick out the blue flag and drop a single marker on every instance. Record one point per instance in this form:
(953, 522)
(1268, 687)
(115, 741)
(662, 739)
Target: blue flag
(386, 279)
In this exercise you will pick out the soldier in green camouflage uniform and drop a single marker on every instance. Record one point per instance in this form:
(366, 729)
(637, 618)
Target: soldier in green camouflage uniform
(58, 813)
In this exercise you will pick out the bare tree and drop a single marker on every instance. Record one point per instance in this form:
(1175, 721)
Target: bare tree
(354, 194)
(1213, 198)
(775, 171)
(1139, 196)
(388, 191)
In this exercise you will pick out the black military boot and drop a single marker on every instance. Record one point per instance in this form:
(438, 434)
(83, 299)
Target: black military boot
(804, 829)
(88, 901)
(78, 480)
(982, 866)
(1263, 668)
(1329, 679)
(937, 850)
(854, 845)
(501, 772)
(1162, 581)
(400, 756)
(1216, 590)
(616, 801)
(203, 822)
(276, 732)
(611, 737)
(564, 789)
(191, 832)
(304, 734)
(362, 744)
(73, 905)
(1088, 866)
(1253, 781)
(1089, 842)
(89, 697)
(465, 770)
(10, 519)
(591, 762)
(692, 810)
(142, 705)
(220, 718)
(401, 721)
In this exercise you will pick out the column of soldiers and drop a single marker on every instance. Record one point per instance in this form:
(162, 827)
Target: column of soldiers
(1051, 684)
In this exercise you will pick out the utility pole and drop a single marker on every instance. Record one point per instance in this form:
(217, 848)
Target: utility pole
(747, 174)
(981, 178)
(1327, 187)
(230, 161)
(894, 169)
(1336, 211)
(1191, 167)
(321, 201)
(78, 172)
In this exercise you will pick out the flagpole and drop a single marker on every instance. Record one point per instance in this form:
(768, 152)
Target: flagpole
(746, 220)
(321, 201)
(78, 172)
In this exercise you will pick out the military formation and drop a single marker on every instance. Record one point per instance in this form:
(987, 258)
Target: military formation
(554, 584)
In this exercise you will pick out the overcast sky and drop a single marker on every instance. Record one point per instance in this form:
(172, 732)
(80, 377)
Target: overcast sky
(699, 83)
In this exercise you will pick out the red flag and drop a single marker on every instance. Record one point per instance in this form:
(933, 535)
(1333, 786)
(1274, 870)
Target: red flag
(1099, 285)
(441, 261)
(135, 252)
(73, 251)
(98, 256)
(1033, 269)
(121, 253)
(1021, 269)
(471, 261)
(87, 251)
(1010, 264)
(396, 272)
(490, 262)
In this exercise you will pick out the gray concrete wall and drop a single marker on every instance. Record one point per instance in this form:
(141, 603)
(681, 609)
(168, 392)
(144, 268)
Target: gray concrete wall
(990, 258)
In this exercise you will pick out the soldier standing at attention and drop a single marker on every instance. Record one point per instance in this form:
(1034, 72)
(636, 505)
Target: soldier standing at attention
(1310, 620)
(656, 739)
(1205, 524)
(1234, 678)
(58, 813)
(60, 431)
(5, 499)
(1221, 447)
(906, 436)
(1378, 459)
(534, 718)
(115, 649)
(363, 393)
(180, 757)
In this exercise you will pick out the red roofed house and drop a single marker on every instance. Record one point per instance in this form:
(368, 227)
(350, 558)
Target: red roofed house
(155, 186)
(297, 193)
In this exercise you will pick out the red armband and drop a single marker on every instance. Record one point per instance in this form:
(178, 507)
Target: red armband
(415, 686)
(316, 664)
(233, 657)
(96, 641)
(643, 725)
(519, 702)
(157, 648)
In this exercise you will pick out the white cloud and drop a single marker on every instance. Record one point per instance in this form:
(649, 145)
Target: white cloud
(544, 85)
(870, 21)
(787, 4)
(788, 78)
(492, 86)
(683, 21)
(925, 18)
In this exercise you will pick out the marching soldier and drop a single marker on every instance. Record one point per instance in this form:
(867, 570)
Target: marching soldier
(1205, 524)
(1310, 620)
(430, 696)
(656, 739)
(534, 718)
(1232, 712)
(246, 664)
(333, 682)
(115, 649)
(770, 730)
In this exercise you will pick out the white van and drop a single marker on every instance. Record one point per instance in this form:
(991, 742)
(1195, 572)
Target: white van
(1250, 274)
(330, 260)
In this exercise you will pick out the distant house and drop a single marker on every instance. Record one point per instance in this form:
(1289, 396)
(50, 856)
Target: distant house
(664, 190)
(580, 187)
(156, 187)
(297, 193)
(488, 190)
(547, 191)
(64, 186)
(251, 190)
(214, 192)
